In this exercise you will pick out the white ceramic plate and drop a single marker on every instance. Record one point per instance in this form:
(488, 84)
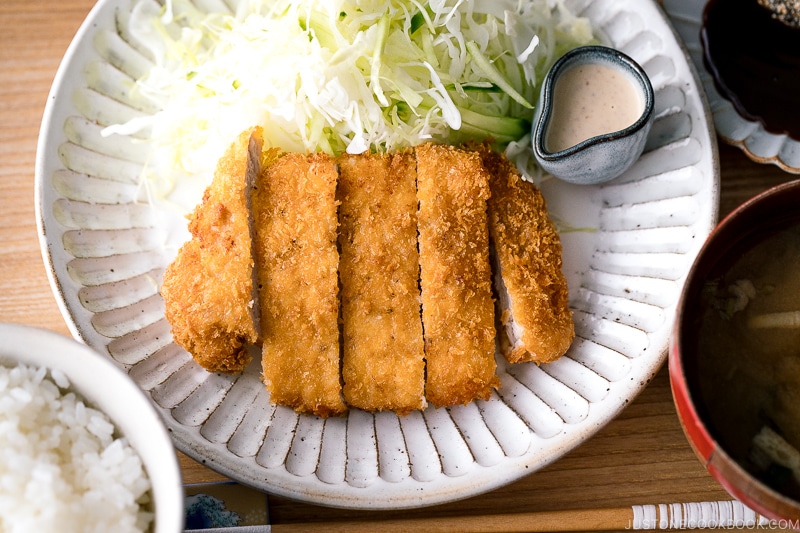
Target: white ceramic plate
(759, 145)
(105, 253)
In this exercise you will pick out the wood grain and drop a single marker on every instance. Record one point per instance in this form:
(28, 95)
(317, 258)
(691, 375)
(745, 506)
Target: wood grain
(641, 457)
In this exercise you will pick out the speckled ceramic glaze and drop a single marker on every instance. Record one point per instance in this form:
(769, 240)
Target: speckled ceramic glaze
(603, 157)
(632, 242)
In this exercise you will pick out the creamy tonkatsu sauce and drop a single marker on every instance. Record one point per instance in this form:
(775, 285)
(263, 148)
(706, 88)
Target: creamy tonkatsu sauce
(591, 100)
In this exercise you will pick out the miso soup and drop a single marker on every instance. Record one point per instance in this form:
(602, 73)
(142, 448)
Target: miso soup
(748, 356)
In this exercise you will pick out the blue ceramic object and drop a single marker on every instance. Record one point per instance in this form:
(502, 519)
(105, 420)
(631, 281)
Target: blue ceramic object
(604, 157)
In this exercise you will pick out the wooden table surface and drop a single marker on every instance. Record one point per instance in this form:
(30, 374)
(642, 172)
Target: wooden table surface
(641, 457)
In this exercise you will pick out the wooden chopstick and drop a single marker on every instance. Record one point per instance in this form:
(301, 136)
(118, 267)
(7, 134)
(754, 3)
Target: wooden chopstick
(676, 516)
(586, 520)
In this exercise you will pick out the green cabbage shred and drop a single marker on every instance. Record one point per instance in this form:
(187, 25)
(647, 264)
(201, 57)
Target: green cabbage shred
(343, 75)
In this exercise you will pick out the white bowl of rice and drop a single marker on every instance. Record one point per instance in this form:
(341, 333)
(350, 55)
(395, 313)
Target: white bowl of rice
(83, 448)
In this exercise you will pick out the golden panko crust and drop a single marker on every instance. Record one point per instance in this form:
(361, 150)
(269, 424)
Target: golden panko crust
(383, 360)
(295, 215)
(456, 276)
(208, 289)
(529, 254)
(366, 280)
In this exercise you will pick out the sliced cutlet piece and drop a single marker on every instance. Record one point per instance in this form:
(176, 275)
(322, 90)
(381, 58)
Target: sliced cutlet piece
(532, 289)
(208, 290)
(383, 364)
(456, 278)
(295, 214)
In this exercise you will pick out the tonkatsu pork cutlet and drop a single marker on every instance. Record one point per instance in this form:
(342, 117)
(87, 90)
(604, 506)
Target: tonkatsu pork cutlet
(383, 363)
(456, 278)
(208, 289)
(533, 297)
(295, 218)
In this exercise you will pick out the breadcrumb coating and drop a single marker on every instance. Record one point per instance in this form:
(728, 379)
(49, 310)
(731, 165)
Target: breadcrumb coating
(456, 277)
(383, 359)
(208, 289)
(534, 310)
(295, 218)
(409, 238)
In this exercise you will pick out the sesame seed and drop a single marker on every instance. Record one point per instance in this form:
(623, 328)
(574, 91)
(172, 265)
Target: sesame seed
(786, 11)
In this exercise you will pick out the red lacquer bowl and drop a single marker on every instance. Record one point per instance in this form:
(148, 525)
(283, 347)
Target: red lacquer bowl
(719, 449)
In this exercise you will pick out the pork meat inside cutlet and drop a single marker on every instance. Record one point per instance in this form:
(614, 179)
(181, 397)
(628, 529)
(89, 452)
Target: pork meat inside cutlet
(383, 360)
(295, 217)
(456, 278)
(533, 297)
(208, 289)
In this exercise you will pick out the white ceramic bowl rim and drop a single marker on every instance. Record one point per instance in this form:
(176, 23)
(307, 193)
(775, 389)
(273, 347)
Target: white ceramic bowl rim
(106, 387)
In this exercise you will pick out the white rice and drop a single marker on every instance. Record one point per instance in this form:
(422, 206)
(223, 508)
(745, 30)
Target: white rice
(62, 469)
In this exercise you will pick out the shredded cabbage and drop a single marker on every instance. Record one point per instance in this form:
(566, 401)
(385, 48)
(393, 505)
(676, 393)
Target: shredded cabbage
(342, 75)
